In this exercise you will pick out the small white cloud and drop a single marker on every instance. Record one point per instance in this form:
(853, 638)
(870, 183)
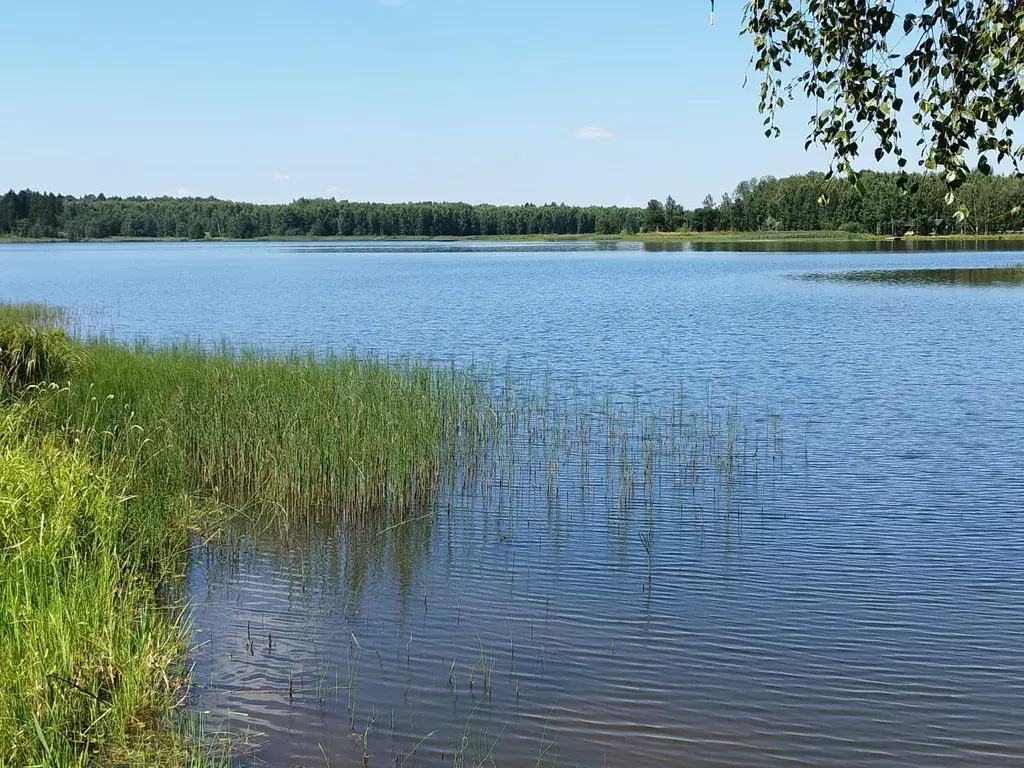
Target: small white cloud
(278, 176)
(182, 192)
(592, 133)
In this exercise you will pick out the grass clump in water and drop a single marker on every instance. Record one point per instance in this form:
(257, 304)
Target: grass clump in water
(1009, 275)
(42, 317)
(339, 436)
(143, 433)
(100, 477)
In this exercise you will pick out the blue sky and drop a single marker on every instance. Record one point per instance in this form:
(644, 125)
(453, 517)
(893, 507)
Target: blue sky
(597, 101)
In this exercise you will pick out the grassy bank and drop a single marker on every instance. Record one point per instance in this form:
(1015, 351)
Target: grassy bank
(90, 670)
(89, 666)
(112, 457)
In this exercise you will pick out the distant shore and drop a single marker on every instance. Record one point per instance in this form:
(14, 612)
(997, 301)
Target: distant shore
(647, 237)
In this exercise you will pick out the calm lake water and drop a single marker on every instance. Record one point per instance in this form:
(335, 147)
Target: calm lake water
(858, 603)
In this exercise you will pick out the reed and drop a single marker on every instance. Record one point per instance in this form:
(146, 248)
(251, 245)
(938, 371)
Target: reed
(338, 436)
(40, 317)
(974, 276)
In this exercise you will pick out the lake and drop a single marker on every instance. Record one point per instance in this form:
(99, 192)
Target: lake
(853, 600)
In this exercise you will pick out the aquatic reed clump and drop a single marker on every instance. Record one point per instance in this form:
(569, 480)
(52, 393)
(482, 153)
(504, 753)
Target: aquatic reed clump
(973, 276)
(336, 435)
(40, 317)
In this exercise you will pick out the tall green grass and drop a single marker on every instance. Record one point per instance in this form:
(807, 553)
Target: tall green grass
(43, 317)
(339, 436)
(34, 348)
(88, 652)
(107, 452)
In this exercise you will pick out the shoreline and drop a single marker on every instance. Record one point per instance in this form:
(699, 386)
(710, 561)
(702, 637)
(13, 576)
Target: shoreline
(673, 237)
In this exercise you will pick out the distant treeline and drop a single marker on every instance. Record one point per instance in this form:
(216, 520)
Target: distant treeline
(880, 207)
(806, 202)
(31, 214)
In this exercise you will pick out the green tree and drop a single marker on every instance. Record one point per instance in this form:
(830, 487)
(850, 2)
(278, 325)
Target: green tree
(705, 218)
(655, 219)
(958, 61)
(673, 215)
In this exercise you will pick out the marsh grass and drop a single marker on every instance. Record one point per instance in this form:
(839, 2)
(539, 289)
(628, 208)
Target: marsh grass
(338, 436)
(41, 317)
(1007, 275)
(34, 348)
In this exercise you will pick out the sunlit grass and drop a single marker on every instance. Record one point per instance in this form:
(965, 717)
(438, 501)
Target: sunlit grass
(42, 317)
(34, 348)
(91, 660)
(339, 435)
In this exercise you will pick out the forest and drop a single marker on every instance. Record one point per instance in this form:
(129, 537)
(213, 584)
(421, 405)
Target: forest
(806, 202)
